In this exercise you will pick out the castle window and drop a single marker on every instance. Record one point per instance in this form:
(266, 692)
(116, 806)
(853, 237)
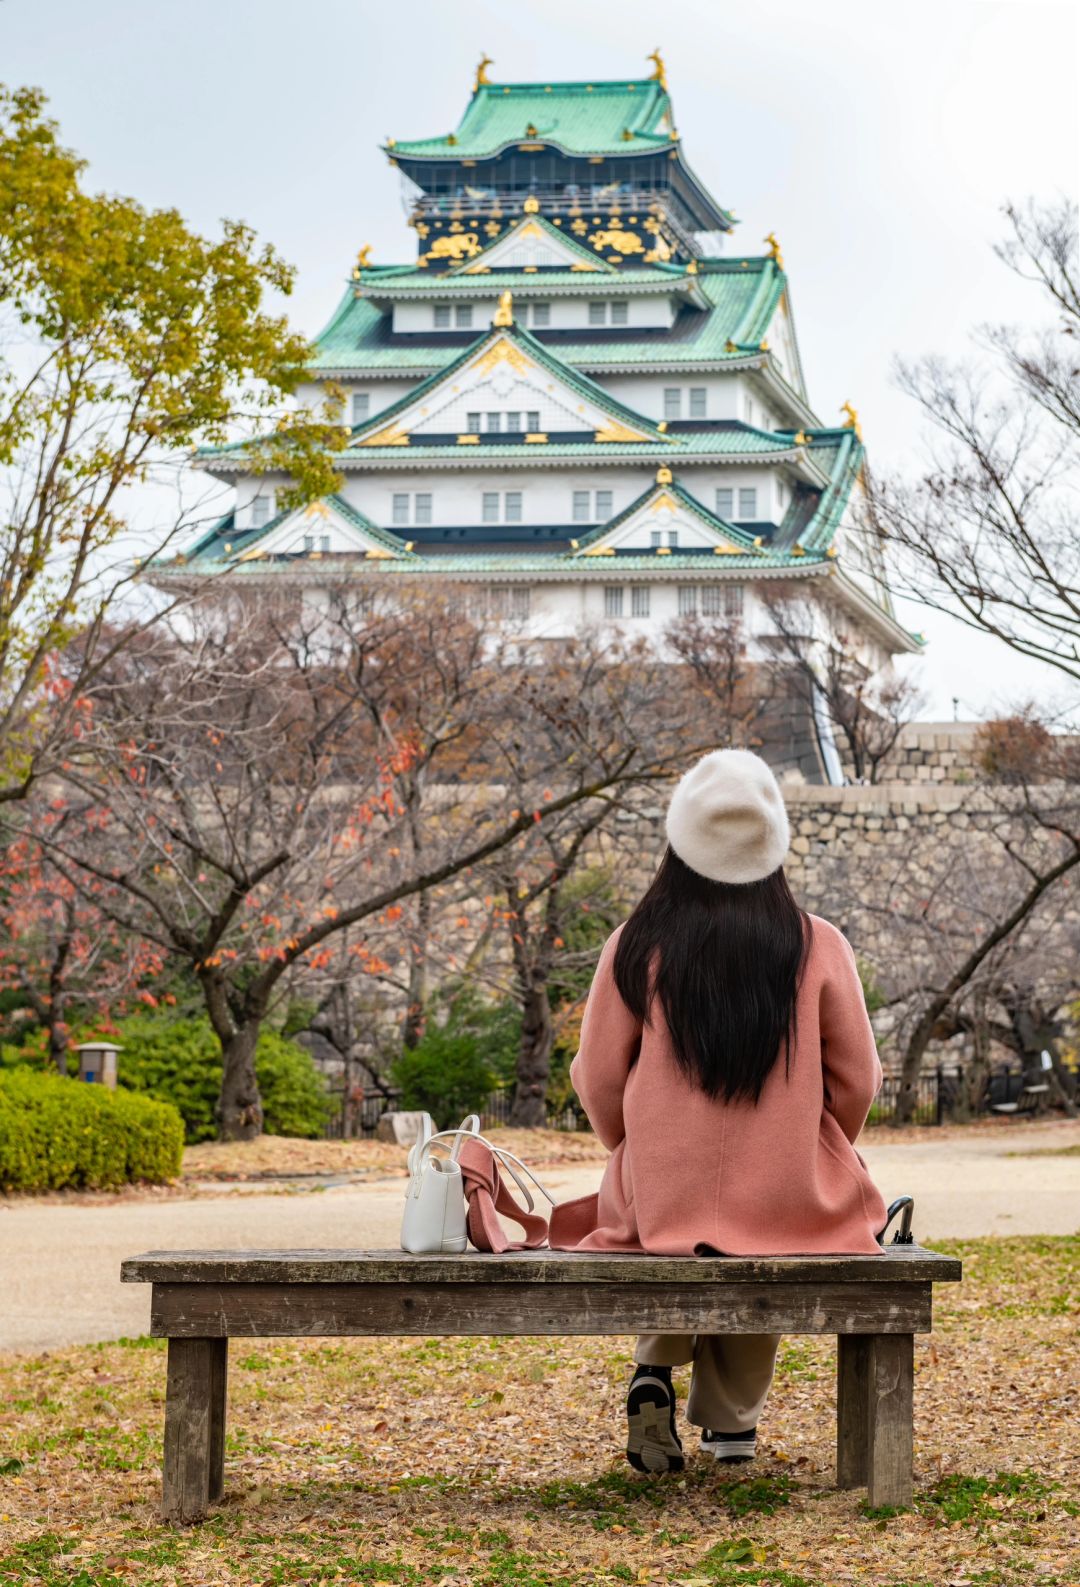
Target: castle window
(603, 504)
(639, 600)
(442, 316)
(416, 509)
(620, 314)
(501, 508)
(725, 502)
(324, 542)
(513, 422)
(597, 313)
(581, 506)
(672, 402)
(260, 511)
(532, 422)
(494, 421)
(699, 402)
(361, 406)
(309, 542)
(673, 537)
(747, 504)
(687, 600)
(541, 315)
(722, 600)
(463, 316)
(507, 600)
(473, 421)
(613, 601)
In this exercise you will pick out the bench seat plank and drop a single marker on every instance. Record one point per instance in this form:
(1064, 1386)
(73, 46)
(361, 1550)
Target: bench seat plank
(907, 1263)
(210, 1310)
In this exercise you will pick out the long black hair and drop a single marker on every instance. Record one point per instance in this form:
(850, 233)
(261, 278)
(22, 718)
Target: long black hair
(725, 962)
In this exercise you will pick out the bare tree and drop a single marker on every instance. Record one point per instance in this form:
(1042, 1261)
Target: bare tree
(988, 532)
(247, 792)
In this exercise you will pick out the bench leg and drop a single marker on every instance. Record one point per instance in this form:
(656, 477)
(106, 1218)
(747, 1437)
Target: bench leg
(891, 1411)
(852, 1409)
(193, 1468)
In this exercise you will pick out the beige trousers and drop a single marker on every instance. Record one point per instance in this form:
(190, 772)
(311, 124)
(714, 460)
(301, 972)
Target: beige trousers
(731, 1378)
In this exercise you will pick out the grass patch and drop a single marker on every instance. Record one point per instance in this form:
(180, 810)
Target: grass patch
(498, 1463)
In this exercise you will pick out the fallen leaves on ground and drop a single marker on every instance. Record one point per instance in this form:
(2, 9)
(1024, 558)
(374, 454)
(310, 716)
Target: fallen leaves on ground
(498, 1463)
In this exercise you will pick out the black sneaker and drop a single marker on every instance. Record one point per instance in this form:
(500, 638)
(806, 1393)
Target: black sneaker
(731, 1448)
(652, 1443)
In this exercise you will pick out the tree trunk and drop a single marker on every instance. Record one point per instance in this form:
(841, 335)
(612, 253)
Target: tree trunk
(240, 1110)
(413, 1028)
(529, 1107)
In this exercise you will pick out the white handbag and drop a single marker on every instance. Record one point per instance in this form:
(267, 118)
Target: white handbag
(434, 1219)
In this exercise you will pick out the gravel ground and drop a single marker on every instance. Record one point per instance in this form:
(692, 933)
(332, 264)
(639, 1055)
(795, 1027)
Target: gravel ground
(59, 1260)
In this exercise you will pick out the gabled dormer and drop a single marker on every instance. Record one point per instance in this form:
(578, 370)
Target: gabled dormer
(663, 519)
(326, 528)
(534, 244)
(506, 384)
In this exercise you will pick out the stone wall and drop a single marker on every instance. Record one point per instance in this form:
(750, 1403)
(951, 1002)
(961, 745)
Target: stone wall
(934, 752)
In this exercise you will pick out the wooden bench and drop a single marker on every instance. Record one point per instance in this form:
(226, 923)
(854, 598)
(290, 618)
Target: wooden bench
(874, 1304)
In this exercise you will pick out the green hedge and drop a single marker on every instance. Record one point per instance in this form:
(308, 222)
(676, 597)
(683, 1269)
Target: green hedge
(179, 1061)
(56, 1133)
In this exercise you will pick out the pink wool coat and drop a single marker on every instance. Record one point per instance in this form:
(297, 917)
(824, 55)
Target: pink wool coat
(688, 1174)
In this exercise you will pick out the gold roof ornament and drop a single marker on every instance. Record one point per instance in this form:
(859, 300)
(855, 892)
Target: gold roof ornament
(662, 426)
(852, 420)
(774, 250)
(801, 438)
(691, 267)
(482, 78)
(531, 205)
(659, 71)
(504, 314)
(663, 475)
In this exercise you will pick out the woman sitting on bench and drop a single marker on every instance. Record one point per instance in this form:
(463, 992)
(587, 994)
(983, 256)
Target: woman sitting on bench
(728, 1064)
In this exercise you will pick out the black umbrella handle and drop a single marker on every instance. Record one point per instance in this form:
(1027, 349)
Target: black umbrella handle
(905, 1205)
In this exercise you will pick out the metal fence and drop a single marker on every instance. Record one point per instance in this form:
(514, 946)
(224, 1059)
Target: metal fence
(939, 1094)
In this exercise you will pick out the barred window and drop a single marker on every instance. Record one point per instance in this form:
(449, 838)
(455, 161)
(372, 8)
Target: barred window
(655, 537)
(513, 422)
(463, 316)
(603, 505)
(620, 314)
(541, 315)
(513, 506)
(442, 316)
(260, 511)
(639, 600)
(361, 406)
(699, 402)
(722, 600)
(400, 508)
(422, 514)
(613, 601)
(672, 402)
(490, 507)
(725, 502)
(687, 600)
(473, 421)
(532, 422)
(597, 313)
(747, 504)
(580, 511)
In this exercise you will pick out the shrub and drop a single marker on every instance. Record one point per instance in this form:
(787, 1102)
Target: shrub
(56, 1133)
(179, 1061)
(446, 1074)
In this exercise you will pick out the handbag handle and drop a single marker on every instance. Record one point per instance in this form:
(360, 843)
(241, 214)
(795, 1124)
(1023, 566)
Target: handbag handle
(469, 1129)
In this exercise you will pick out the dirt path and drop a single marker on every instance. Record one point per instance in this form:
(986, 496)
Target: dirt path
(59, 1261)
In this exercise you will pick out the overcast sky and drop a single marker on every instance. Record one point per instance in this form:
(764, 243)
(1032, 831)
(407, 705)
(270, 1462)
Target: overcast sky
(877, 141)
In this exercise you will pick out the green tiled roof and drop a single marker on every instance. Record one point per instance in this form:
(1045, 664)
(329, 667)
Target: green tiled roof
(740, 442)
(577, 118)
(744, 295)
(691, 503)
(211, 548)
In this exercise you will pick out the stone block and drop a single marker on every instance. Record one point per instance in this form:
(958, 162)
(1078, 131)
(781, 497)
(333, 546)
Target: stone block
(399, 1128)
